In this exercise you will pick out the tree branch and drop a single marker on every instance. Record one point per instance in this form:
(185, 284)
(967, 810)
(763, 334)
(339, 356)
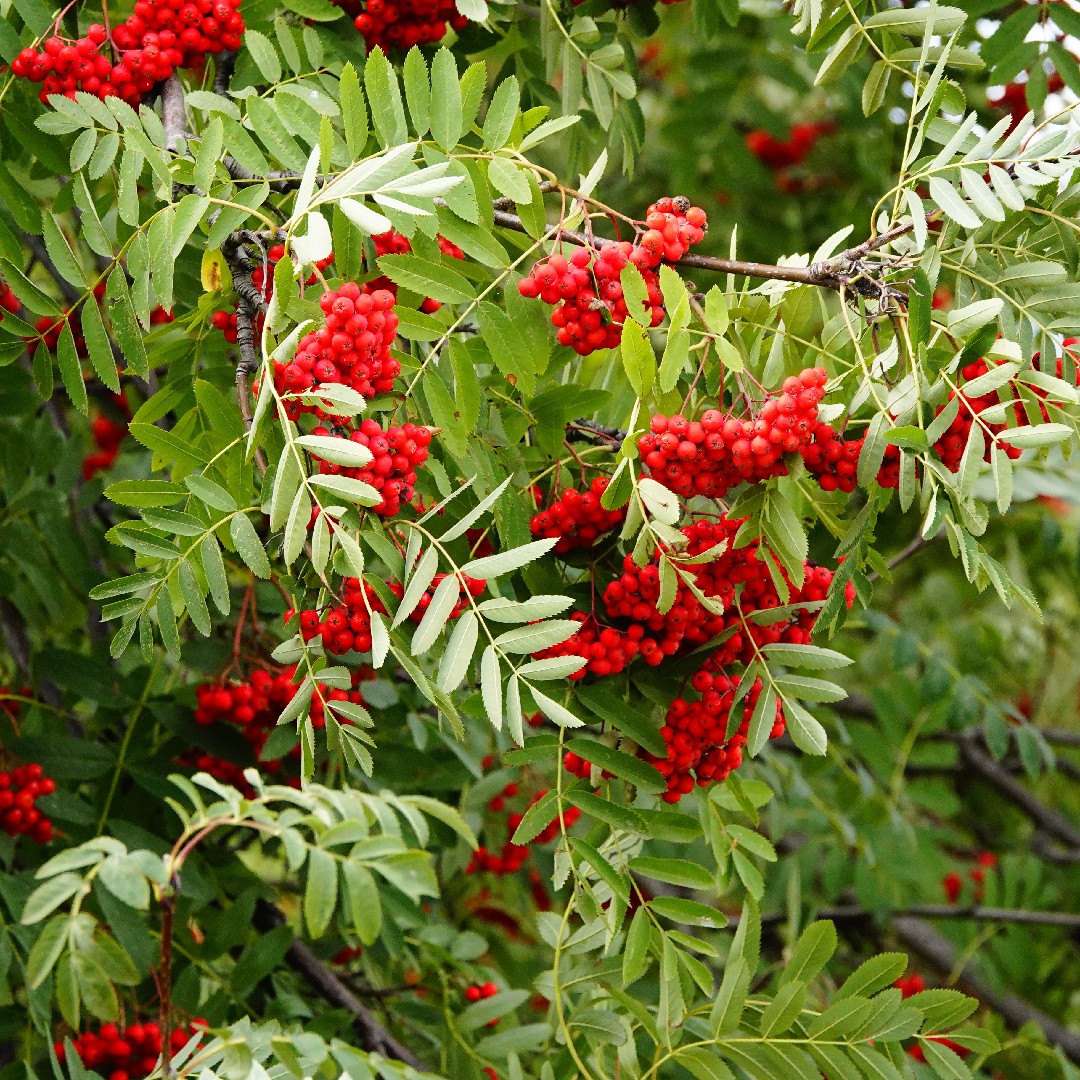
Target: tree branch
(1022, 916)
(918, 937)
(373, 1036)
(1047, 819)
(172, 112)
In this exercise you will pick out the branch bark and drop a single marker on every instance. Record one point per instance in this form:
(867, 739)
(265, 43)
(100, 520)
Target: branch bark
(172, 112)
(373, 1036)
(1046, 818)
(920, 938)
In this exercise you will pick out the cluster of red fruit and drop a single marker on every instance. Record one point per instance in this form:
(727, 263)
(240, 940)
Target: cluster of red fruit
(108, 434)
(401, 24)
(778, 154)
(699, 750)
(144, 50)
(696, 732)
(953, 882)
(254, 706)
(397, 453)
(513, 856)
(394, 243)
(719, 451)
(473, 586)
(130, 1053)
(8, 301)
(351, 347)
(834, 460)
(347, 954)
(577, 518)
(909, 986)
(586, 290)
(20, 788)
(346, 628)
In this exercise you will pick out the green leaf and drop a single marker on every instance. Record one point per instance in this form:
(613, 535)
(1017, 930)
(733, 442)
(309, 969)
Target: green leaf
(812, 951)
(249, 546)
(320, 891)
(636, 949)
(674, 872)
(427, 278)
(501, 114)
(384, 94)
(625, 766)
(873, 975)
(447, 119)
(639, 360)
(48, 896)
(783, 1010)
(418, 90)
(126, 329)
(509, 180)
(67, 360)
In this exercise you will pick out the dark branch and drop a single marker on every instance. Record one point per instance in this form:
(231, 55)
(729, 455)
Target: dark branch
(373, 1036)
(918, 937)
(1047, 819)
(1062, 919)
(223, 72)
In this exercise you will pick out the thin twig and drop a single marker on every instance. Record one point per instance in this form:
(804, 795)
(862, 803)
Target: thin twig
(373, 1036)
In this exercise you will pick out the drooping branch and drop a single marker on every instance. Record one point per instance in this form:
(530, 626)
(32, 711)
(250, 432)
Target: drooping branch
(919, 937)
(373, 1036)
(1049, 820)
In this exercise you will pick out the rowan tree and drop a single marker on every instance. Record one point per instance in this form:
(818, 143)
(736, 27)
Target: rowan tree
(538, 540)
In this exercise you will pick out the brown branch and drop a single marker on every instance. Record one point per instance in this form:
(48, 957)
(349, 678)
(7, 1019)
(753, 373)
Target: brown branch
(1046, 818)
(373, 1036)
(172, 112)
(918, 937)
(223, 72)
(1022, 916)
(841, 274)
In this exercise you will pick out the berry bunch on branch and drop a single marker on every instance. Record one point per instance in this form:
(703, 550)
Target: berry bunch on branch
(586, 288)
(141, 52)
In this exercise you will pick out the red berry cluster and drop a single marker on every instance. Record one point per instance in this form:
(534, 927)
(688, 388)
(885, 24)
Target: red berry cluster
(577, 518)
(398, 453)
(687, 624)
(833, 460)
(254, 706)
(474, 586)
(585, 289)
(401, 24)
(513, 856)
(347, 955)
(699, 750)
(144, 50)
(108, 434)
(20, 788)
(778, 154)
(49, 329)
(478, 993)
(953, 882)
(131, 1053)
(394, 243)
(607, 650)
(352, 347)
(8, 301)
(346, 628)
(719, 451)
